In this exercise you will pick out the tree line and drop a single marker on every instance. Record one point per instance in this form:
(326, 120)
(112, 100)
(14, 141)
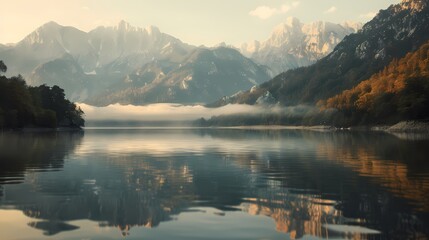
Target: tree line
(42, 106)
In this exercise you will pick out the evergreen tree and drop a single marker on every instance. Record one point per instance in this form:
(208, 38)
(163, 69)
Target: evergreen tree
(43, 106)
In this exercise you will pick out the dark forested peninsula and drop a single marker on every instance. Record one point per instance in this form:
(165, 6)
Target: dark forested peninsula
(23, 106)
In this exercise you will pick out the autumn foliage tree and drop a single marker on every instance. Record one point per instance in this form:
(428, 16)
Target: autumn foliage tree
(399, 92)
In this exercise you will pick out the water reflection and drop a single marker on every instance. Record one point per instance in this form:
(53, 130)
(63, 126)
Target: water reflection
(341, 185)
(21, 153)
(400, 166)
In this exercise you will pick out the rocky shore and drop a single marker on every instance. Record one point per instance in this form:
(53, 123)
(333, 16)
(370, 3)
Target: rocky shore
(405, 126)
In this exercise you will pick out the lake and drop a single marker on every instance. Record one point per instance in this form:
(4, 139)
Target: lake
(213, 184)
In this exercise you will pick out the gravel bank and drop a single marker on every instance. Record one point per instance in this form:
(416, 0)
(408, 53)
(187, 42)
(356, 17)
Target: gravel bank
(409, 126)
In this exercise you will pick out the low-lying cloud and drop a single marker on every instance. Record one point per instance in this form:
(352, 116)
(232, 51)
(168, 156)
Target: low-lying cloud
(178, 112)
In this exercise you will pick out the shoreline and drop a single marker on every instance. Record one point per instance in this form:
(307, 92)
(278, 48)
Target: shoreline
(401, 127)
(43, 130)
(404, 127)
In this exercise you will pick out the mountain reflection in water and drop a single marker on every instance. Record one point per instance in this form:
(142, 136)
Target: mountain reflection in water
(321, 184)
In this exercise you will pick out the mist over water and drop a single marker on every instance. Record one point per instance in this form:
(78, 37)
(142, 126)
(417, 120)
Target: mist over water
(179, 112)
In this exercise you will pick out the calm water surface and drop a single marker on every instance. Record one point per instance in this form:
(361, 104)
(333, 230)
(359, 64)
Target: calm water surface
(213, 184)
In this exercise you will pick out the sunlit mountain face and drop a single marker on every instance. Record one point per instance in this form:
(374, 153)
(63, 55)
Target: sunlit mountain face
(294, 44)
(149, 182)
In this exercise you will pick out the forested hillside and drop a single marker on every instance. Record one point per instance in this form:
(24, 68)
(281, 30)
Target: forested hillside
(399, 92)
(42, 106)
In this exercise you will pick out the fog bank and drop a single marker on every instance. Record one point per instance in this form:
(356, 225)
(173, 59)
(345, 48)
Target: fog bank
(177, 112)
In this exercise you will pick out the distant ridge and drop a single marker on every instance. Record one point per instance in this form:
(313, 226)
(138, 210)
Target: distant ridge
(294, 44)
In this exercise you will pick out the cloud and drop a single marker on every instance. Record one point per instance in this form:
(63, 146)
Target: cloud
(331, 10)
(369, 15)
(265, 12)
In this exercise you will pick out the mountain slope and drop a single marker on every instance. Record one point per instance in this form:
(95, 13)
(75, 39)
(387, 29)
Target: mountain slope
(204, 76)
(64, 72)
(391, 34)
(294, 44)
(3, 47)
(124, 47)
(46, 43)
(399, 92)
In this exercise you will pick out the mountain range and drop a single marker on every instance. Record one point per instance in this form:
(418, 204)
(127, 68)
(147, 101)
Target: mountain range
(204, 75)
(394, 32)
(295, 44)
(131, 65)
(101, 47)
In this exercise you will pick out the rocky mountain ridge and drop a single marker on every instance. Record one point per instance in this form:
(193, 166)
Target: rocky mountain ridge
(93, 50)
(295, 44)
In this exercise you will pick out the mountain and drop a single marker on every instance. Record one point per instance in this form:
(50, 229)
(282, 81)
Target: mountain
(127, 64)
(64, 72)
(46, 43)
(399, 92)
(393, 33)
(3, 47)
(295, 44)
(123, 48)
(93, 50)
(204, 76)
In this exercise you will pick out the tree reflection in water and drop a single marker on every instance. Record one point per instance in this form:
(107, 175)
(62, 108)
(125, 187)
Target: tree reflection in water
(307, 182)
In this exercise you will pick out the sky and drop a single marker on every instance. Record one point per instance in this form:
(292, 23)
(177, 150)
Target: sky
(197, 22)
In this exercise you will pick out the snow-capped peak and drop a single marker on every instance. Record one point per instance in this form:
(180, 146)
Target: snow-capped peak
(293, 22)
(287, 27)
(50, 25)
(356, 26)
(152, 30)
(125, 26)
(47, 32)
(293, 43)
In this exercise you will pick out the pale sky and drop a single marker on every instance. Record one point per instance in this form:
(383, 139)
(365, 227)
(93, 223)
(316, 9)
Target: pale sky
(196, 22)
